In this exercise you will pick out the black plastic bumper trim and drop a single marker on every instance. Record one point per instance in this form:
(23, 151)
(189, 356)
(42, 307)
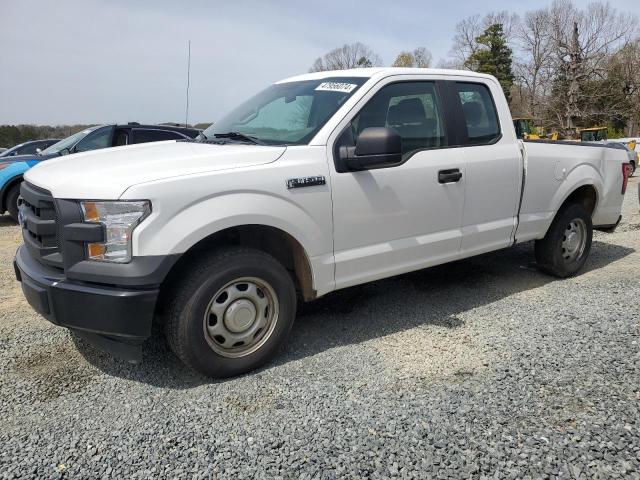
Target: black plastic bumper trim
(83, 232)
(125, 351)
(122, 315)
(149, 271)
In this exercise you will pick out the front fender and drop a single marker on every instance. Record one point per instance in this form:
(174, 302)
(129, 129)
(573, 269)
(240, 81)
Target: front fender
(195, 222)
(8, 176)
(307, 220)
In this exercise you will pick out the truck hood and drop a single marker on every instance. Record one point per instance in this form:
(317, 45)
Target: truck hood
(106, 174)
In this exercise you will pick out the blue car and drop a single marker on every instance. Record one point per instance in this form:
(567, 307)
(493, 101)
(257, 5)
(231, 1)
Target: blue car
(101, 136)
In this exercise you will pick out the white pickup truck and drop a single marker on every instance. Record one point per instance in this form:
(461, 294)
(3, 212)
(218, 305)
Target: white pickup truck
(320, 182)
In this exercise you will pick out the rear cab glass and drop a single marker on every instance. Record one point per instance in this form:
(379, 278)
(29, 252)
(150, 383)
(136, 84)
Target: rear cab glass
(480, 114)
(144, 135)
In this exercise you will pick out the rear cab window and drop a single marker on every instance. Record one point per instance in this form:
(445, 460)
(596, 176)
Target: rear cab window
(143, 135)
(480, 114)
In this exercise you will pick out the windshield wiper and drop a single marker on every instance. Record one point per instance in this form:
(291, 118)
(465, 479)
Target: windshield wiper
(239, 136)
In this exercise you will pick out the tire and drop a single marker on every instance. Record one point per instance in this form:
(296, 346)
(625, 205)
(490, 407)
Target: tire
(212, 306)
(633, 168)
(12, 201)
(559, 253)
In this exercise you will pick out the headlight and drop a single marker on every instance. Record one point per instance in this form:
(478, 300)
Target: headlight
(119, 220)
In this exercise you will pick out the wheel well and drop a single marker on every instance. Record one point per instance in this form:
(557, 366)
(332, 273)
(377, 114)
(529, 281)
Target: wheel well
(586, 195)
(277, 243)
(5, 191)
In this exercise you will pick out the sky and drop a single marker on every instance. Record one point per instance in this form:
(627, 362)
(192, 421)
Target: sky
(107, 61)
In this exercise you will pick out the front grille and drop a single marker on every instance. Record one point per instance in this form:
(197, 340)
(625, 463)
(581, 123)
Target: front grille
(39, 221)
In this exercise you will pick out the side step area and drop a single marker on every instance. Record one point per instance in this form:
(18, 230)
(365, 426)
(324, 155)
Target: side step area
(608, 228)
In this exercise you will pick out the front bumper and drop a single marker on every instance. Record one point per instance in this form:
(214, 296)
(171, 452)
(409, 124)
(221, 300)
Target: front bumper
(114, 319)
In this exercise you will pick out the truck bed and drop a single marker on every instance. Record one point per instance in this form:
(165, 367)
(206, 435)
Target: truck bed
(555, 169)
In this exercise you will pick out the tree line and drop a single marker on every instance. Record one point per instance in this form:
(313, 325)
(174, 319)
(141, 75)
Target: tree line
(563, 66)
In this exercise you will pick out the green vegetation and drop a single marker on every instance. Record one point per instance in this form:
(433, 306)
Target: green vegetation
(493, 57)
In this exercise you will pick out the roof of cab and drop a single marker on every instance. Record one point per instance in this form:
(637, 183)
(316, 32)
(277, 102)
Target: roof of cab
(381, 72)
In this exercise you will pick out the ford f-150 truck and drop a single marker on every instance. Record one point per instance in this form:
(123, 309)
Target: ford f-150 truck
(318, 183)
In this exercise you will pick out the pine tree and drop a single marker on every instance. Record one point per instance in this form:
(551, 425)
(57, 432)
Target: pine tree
(493, 57)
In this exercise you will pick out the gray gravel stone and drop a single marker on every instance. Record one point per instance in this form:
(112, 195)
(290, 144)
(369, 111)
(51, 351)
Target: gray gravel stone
(485, 368)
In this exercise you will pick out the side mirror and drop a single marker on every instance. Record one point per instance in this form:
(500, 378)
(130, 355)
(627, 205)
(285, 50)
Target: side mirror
(64, 151)
(38, 150)
(376, 147)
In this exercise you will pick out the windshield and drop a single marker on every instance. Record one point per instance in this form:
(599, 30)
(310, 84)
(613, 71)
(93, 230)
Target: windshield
(288, 113)
(68, 142)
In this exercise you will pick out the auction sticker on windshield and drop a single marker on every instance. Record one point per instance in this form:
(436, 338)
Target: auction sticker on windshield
(336, 87)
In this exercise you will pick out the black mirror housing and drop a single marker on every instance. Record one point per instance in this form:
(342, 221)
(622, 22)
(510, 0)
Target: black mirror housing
(378, 141)
(376, 147)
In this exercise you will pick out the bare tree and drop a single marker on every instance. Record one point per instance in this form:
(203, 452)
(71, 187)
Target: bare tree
(510, 22)
(465, 42)
(450, 64)
(626, 63)
(533, 68)
(583, 42)
(354, 55)
(420, 57)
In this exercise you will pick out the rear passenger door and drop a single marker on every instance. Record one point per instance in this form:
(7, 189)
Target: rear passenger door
(493, 167)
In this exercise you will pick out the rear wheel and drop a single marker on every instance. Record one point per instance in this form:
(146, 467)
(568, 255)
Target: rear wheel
(566, 246)
(230, 312)
(12, 201)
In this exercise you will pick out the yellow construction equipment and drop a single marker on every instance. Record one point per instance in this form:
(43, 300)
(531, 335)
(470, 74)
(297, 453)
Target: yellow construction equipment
(594, 134)
(526, 130)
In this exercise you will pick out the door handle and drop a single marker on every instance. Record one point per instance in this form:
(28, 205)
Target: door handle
(449, 176)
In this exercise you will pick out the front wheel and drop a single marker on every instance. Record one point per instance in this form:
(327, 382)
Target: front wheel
(230, 312)
(566, 246)
(12, 201)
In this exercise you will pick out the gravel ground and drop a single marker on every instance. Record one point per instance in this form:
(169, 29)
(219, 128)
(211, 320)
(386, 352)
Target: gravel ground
(485, 368)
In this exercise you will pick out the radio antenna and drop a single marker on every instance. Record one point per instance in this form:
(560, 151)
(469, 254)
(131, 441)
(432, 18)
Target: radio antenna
(186, 114)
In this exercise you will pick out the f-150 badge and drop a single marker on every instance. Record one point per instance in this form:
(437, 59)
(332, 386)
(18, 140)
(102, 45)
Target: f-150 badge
(306, 182)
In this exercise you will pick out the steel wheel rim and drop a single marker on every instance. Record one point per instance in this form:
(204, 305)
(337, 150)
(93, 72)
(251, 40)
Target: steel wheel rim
(241, 317)
(574, 241)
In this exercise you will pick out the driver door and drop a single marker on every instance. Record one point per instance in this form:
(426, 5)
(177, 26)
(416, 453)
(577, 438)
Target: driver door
(393, 220)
